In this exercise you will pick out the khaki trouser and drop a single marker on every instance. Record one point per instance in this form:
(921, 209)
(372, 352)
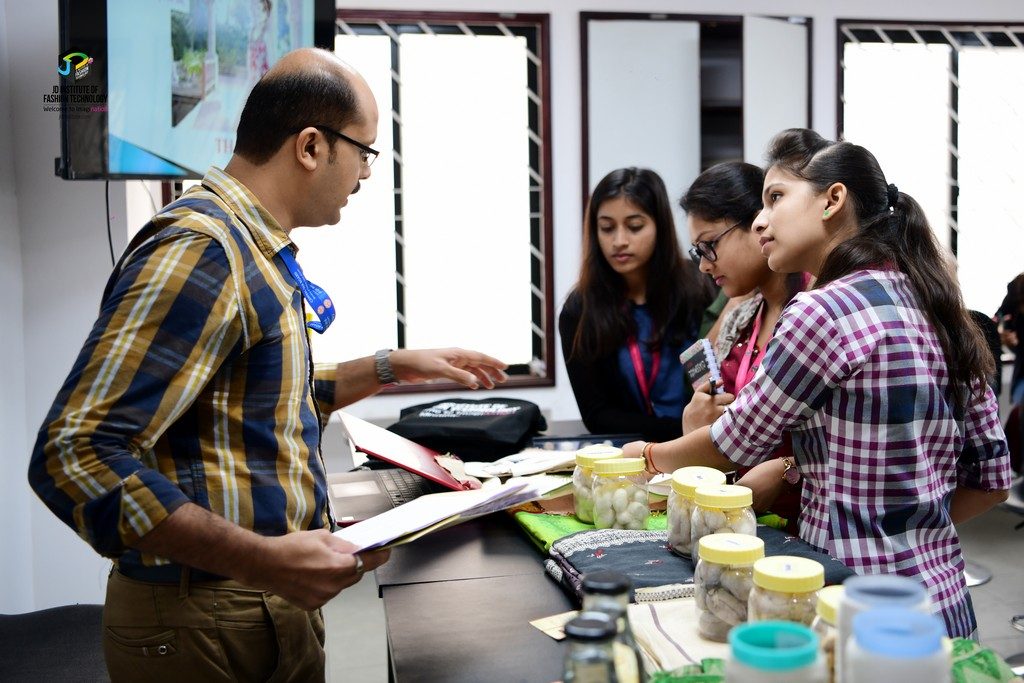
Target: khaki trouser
(213, 631)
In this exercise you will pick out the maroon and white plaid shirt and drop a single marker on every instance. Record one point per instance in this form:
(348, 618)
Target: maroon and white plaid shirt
(857, 376)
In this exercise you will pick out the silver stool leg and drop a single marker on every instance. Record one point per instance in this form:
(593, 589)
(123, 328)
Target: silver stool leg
(1016, 662)
(976, 574)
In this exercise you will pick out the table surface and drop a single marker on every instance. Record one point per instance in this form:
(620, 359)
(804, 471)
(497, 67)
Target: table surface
(458, 605)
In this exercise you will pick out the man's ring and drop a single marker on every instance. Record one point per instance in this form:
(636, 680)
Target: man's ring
(359, 564)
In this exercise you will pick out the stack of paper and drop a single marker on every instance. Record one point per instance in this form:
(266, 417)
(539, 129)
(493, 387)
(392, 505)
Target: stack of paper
(436, 511)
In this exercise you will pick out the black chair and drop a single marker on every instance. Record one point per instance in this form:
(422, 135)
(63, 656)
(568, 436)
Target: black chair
(57, 644)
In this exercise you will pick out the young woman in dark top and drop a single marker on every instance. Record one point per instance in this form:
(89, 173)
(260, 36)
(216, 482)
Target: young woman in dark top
(637, 304)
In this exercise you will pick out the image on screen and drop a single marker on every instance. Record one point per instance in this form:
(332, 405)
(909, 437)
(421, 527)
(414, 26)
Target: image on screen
(179, 73)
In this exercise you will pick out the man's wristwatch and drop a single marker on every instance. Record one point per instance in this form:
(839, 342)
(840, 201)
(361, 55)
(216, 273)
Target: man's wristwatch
(791, 474)
(382, 364)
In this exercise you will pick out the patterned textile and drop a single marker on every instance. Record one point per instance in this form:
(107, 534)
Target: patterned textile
(195, 384)
(857, 376)
(657, 573)
(973, 663)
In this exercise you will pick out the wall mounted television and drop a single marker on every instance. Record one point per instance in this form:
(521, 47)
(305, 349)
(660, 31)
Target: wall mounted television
(153, 89)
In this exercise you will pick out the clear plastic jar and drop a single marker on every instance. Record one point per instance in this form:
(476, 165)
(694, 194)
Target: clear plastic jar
(774, 652)
(685, 481)
(582, 478)
(861, 593)
(785, 589)
(589, 656)
(896, 644)
(722, 582)
(824, 625)
(620, 494)
(722, 509)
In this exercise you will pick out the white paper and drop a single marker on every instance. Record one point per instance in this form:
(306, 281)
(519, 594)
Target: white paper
(431, 509)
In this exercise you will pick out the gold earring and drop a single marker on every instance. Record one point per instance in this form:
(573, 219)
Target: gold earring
(826, 214)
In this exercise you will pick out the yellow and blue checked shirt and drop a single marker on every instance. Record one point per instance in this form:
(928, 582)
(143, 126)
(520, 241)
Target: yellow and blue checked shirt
(195, 384)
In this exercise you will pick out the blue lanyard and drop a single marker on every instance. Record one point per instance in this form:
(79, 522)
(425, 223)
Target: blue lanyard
(315, 295)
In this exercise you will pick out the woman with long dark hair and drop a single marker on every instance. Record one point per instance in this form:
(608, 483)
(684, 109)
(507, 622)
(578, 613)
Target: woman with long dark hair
(637, 304)
(877, 373)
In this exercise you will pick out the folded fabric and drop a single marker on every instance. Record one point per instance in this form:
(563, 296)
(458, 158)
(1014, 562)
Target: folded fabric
(657, 573)
(544, 529)
(667, 634)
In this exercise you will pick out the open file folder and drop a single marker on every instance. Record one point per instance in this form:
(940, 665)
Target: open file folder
(437, 511)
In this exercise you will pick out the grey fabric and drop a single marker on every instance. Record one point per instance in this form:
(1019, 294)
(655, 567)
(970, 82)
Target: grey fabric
(57, 644)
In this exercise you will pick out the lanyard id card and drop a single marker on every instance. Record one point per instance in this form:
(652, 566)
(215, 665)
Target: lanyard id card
(317, 298)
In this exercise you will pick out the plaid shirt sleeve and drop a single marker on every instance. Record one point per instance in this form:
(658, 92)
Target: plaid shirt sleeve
(324, 385)
(169, 319)
(803, 363)
(985, 461)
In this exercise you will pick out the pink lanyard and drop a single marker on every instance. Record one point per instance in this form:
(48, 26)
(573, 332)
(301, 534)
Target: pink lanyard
(638, 367)
(748, 356)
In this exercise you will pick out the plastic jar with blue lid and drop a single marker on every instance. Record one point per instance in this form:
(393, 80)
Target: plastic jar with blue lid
(896, 644)
(774, 652)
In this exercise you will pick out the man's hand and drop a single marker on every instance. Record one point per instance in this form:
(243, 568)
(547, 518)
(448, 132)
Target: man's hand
(308, 568)
(704, 408)
(469, 368)
(766, 481)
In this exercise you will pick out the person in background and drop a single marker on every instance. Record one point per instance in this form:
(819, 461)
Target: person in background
(720, 207)
(185, 442)
(636, 305)
(1011, 331)
(877, 374)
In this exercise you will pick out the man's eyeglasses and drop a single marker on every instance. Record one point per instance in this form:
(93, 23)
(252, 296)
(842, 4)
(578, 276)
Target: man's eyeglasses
(366, 153)
(706, 248)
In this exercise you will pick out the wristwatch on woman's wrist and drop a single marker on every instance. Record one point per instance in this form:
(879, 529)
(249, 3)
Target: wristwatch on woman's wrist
(791, 474)
(382, 364)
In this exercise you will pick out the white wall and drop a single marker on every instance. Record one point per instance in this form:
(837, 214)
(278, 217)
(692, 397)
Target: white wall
(59, 229)
(15, 572)
(64, 265)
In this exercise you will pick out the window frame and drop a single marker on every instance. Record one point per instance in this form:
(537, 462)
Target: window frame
(541, 236)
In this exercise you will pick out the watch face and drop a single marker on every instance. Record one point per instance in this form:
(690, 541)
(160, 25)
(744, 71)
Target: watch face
(792, 475)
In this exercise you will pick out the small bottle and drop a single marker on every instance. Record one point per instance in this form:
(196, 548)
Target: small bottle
(610, 592)
(589, 657)
(774, 652)
(722, 509)
(582, 478)
(862, 593)
(722, 582)
(786, 589)
(620, 494)
(897, 644)
(685, 481)
(824, 625)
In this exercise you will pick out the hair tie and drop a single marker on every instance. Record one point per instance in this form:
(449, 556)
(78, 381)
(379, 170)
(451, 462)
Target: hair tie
(893, 194)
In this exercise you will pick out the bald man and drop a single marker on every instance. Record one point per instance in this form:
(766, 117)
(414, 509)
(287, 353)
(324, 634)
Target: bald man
(185, 442)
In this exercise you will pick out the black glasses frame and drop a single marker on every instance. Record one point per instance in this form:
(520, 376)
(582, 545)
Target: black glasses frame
(706, 248)
(369, 154)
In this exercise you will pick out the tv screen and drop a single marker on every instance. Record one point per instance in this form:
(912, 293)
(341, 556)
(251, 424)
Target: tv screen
(154, 89)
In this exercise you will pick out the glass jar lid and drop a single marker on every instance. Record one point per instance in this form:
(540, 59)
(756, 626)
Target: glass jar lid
(685, 480)
(788, 574)
(730, 548)
(724, 496)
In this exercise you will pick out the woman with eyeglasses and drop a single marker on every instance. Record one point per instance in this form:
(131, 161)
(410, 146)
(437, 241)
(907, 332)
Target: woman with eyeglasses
(877, 373)
(720, 207)
(637, 303)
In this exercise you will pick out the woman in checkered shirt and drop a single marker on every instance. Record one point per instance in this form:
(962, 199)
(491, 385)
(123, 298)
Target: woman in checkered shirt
(877, 374)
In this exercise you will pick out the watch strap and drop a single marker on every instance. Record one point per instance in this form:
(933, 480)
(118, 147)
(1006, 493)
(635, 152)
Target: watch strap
(382, 364)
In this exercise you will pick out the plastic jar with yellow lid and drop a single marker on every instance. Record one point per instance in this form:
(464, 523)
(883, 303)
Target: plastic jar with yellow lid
(722, 581)
(722, 509)
(685, 481)
(582, 478)
(785, 588)
(825, 622)
(620, 494)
